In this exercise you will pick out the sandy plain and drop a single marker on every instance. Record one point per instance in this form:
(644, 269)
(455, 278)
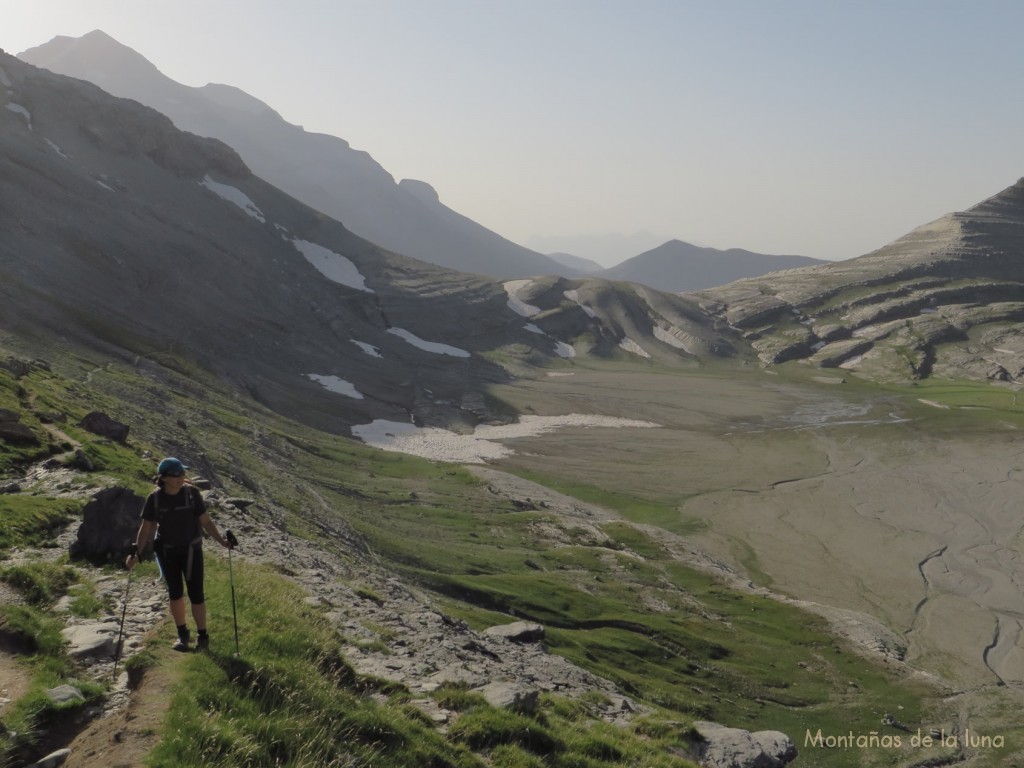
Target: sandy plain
(871, 501)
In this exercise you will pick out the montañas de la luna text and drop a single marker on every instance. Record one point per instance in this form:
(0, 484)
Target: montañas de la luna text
(876, 740)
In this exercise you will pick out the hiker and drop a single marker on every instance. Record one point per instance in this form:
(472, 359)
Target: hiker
(175, 514)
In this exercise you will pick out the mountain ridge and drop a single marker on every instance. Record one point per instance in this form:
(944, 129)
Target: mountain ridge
(321, 170)
(678, 266)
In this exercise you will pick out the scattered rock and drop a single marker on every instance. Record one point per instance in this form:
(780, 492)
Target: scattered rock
(65, 694)
(517, 631)
(512, 696)
(18, 368)
(93, 639)
(998, 373)
(239, 503)
(82, 462)
(12, 430)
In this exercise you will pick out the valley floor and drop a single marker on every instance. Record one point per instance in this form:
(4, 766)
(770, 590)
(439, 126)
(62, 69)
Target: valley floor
(870, 501)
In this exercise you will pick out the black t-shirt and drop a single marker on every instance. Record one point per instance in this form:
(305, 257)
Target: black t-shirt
(177, 516)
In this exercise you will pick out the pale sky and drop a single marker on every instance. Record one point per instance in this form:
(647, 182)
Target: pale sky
(823, 128)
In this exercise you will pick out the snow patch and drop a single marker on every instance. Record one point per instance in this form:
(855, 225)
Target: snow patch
(517, 305)
(428, 346)
(533, 329)
(369, 349)
(442, 445)
(4, 79)
(234, 195)
(332, 265)
(574, 296)
(631, 346)
(105, 186)
(334, 384)
(57, 149)
(564, 350)
(668, 337)
(20, 110)
(818, 345)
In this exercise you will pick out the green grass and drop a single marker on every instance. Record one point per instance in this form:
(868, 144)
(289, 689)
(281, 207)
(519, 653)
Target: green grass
(699, 650)
(37, 636)
(292, 700)
(40, 583)
(33, 521)
(616, 603)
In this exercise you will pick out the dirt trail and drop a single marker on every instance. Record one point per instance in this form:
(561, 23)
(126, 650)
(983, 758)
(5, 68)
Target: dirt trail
(125, 738)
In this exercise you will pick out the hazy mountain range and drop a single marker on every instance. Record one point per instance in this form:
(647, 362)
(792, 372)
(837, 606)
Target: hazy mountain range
(678, 266)
(141, 256)
(348, 185)
(122, 230)
(322, 171)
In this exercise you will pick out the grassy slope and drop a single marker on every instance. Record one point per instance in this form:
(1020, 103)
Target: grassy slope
(713, 654)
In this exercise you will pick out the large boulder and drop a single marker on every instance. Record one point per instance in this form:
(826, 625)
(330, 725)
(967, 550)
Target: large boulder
(101, 424)
(109, 522)
(12, 430)
(725, 747)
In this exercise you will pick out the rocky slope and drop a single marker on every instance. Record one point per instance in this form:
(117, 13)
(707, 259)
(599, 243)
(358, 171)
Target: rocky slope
(322, 171)
(946, 299)
(125, 233)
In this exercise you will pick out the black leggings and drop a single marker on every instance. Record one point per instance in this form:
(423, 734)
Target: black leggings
(173, 563)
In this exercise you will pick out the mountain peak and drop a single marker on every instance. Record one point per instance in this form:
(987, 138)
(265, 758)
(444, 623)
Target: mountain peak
(96, 51)
(421, 189)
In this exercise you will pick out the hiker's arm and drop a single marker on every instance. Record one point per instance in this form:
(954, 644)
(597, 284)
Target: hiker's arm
(146, 532)
(211, 528)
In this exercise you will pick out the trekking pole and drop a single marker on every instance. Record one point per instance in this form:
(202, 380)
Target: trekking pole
(124, 611)
(231, 572)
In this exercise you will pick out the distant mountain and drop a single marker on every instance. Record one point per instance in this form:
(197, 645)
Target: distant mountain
(606, 248)
(677, 266)
(578, 263)
(322, 171)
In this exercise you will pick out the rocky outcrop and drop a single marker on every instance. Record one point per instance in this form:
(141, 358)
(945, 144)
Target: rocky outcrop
(13, 431)
(109, 522)
(920, 300)
(101, 424)
(735, 748)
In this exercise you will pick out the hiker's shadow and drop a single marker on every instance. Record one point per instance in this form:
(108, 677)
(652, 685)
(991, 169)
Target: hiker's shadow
(257, 684)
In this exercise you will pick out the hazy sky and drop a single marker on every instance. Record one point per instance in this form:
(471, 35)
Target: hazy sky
(823, 128)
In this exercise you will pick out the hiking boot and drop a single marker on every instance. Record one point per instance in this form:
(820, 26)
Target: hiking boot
(203, 643)
(181, 644)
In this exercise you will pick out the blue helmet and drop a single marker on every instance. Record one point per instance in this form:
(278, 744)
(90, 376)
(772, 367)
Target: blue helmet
(171, 467)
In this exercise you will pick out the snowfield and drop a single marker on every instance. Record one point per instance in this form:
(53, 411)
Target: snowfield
(332, 265)
(442, 445)
(234, 195)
